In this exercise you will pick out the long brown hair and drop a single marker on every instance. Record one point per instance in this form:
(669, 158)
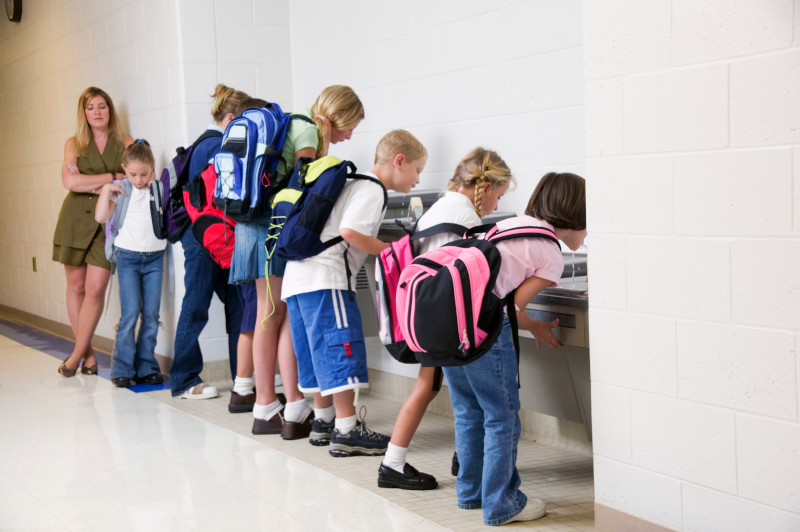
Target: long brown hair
(83, 131)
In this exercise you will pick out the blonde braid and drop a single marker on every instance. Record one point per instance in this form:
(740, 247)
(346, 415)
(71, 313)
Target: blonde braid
(478, 197)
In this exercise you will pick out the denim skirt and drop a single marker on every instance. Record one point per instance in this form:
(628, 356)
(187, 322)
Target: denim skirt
(249, 252)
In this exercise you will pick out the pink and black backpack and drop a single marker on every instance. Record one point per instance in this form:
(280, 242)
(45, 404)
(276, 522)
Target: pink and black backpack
(447, 313)
(390, 263)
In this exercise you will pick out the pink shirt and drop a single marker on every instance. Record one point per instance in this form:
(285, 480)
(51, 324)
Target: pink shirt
(523, 258)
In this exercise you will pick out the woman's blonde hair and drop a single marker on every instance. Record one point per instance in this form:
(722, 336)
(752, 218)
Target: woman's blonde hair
(399, 141)
(341, 106)
(226, 100)
(139, 151)
(83, 132)
(478, 167)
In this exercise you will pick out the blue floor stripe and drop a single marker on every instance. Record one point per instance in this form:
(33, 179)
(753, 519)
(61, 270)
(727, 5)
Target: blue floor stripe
(60, 348)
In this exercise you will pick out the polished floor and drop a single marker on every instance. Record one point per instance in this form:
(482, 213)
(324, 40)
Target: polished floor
(80, 454)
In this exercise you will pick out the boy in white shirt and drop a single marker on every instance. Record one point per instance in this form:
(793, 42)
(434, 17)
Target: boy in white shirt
(325, 321)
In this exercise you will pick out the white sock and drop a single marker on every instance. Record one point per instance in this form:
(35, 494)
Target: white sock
(296, 411)
(267, 411)
(345, 424)
(395, 457)
(325, 414)
(243, 385)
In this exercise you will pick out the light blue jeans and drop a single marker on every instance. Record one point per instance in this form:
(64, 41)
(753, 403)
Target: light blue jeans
(486, 406)
(139, 276)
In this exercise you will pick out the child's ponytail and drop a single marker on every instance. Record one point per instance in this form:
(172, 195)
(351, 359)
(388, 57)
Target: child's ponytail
(139, 151)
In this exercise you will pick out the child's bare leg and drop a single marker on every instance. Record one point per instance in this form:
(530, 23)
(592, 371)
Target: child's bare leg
(413, 409)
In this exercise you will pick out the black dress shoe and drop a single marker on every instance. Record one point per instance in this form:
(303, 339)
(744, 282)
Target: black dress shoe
(409, 479)
(122, 382)
(153, 378)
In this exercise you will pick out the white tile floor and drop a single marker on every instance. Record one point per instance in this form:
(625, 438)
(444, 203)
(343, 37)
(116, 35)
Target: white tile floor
(79, 454)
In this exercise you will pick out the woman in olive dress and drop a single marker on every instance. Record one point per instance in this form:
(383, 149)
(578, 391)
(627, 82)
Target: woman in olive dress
(92, 158)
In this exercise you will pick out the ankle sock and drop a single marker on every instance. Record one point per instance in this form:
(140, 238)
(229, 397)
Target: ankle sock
(243, 385)
(267, 411)
(345, 424)
(325, 414)
(296, 411)
(395, 457)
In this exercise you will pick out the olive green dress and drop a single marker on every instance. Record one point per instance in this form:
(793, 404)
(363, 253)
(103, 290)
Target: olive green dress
(79, 239)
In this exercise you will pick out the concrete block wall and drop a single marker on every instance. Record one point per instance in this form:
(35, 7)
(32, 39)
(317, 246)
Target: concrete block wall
(159, 60)
(692, 132)
(458, 74)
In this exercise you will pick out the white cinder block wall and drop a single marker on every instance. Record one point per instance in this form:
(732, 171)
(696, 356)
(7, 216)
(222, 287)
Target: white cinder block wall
(159, 60)
(458, 74)
(693, 126)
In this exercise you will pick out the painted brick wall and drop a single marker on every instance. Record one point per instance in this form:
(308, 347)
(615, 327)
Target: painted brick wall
(692, 133)
(458, 74)
(159, 60)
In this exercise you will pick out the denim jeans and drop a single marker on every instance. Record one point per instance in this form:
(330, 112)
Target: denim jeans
(139, 275)
(486, 407)
(202, 278)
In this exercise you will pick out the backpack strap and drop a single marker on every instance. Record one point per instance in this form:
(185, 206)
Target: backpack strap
(496, 235)
(304, 118)
(456, 229)
(335, 240)
(156, 208)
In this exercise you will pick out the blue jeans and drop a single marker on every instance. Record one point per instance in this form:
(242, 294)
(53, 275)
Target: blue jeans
(139, 275)
(486, 406)
(202, 278)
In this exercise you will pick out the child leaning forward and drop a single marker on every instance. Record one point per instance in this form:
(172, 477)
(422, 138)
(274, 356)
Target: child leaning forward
(325, 321)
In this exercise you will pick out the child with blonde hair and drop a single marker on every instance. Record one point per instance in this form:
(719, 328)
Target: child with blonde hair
(325, 319)
(332, 118)
(138, 250)
(480, 179)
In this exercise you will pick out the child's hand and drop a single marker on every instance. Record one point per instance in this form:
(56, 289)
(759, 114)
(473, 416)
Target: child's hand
(543, 333)
(113, 188)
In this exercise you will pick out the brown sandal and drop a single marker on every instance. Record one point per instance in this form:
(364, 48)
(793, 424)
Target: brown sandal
(65, 371)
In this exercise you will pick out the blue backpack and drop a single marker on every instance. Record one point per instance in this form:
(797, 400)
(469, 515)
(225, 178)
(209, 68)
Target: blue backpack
(247, 164)
(301, 210)
(117, 217)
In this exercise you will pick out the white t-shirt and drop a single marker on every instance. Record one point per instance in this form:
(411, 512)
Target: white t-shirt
(523, 258)
(360, 208)
(453, 207)
(136, 233)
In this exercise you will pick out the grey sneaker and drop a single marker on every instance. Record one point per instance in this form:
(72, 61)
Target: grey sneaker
(359, 441)
(320, 432)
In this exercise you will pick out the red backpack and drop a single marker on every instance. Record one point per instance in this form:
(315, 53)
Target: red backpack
(210, 226)
(388, 266)
(447, 312)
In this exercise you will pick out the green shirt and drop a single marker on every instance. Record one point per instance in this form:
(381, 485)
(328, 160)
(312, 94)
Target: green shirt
(301, 135)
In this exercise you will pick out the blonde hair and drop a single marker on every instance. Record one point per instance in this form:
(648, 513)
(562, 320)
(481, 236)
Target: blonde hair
(83, 132)
(341, 106)
(478, 167)
(226, 100)
(399, 141)
(139, 151)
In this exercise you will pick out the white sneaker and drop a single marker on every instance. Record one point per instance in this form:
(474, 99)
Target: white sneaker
(200, 391)
(534, 509)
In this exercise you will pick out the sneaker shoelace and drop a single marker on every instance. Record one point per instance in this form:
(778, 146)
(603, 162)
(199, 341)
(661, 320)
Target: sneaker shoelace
(361, 425)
